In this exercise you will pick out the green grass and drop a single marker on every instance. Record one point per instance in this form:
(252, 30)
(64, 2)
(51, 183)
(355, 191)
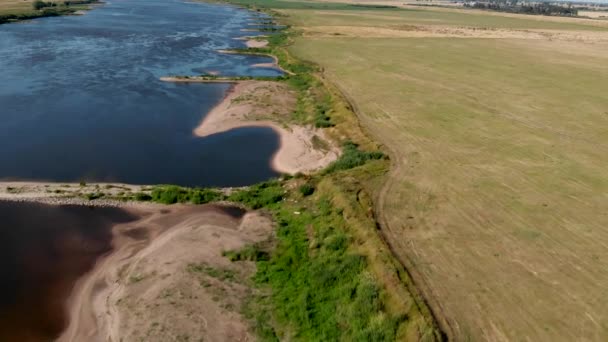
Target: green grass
(306, 189)
(170, 194)
(352, 157)
(321, 290)
(251, 253)
(259, 195)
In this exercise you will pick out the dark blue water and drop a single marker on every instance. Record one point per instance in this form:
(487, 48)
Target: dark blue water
(81, 99)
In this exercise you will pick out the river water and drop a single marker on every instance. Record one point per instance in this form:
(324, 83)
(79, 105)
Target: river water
(45, 249)
(81, 99)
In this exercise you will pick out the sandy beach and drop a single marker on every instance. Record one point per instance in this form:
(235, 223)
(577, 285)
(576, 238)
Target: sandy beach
(255, 43)
(166, 277)
(260, 104)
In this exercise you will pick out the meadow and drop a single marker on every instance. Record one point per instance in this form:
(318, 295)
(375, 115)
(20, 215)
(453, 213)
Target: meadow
(496, 200)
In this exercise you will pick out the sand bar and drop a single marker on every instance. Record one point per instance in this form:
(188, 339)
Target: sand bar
(156, 282)
(296, 152)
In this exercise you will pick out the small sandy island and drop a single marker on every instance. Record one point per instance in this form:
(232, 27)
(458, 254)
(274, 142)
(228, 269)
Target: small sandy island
(166, 278)
(264, 104)
(256, 43)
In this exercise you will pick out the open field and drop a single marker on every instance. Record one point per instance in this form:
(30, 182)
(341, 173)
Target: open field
(497, 196)
(16, 10)
(16, 6)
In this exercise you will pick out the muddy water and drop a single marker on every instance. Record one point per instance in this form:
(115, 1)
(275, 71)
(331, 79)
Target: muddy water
(45, 249)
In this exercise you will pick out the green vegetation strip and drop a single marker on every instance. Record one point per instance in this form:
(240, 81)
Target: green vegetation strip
(321, 290)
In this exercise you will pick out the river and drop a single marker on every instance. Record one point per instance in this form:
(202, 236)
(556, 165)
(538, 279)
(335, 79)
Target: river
(81, 99)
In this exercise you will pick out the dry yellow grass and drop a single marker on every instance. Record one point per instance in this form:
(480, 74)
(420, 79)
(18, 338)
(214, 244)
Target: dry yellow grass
(497, 200)
(15, 6)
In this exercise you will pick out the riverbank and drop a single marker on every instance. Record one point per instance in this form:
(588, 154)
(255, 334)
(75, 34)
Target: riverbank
(170, 259)
(253, 103)
(269, 104)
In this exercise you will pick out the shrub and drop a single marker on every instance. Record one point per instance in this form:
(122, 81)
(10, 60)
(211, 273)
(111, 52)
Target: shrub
(307, 190)
(38, 5)
(251, 253)
(170, 194)
(141, 196)
(259, 195)
(352, 157)
(93, 195)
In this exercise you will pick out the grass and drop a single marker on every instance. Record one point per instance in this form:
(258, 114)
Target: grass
(170, 194)
(352, 157)
(250, 253)
(495, 201)
(306, 189)
(15, 10)
(329, 277)
(259, 195)
(321, 290)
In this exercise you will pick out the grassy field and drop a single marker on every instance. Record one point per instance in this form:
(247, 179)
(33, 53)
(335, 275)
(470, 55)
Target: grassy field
(16, 6)
(17, 10)
(497, 199)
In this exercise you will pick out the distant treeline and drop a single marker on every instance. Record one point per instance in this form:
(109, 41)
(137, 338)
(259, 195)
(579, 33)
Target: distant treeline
(45, 9)
(540, 8)
(39, 4)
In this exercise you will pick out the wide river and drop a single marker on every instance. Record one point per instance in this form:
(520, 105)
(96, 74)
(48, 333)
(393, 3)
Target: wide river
(81, 99)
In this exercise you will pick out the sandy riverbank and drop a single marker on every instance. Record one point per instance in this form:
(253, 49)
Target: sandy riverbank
(166, 277)
(255, 43)
(260, 104)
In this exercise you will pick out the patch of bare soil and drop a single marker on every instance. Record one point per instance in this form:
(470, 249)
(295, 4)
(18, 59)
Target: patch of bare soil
(270, 104)
(166, 279)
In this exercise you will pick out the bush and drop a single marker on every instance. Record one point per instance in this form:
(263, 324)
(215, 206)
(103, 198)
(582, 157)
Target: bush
(259, 195)
(93, 195)
(307, 190)
(143, 197)
(352, 157)
(38, 5)
(251, 253)
(170, 194)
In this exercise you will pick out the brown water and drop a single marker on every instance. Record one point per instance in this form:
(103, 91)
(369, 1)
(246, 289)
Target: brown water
(45, 250)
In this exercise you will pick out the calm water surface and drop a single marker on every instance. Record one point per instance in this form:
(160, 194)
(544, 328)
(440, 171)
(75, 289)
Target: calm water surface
(80, 97)
(45, 250)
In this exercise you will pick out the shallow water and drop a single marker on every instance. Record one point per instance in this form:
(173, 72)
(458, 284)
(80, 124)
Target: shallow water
(45, 250)
(81, 99)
